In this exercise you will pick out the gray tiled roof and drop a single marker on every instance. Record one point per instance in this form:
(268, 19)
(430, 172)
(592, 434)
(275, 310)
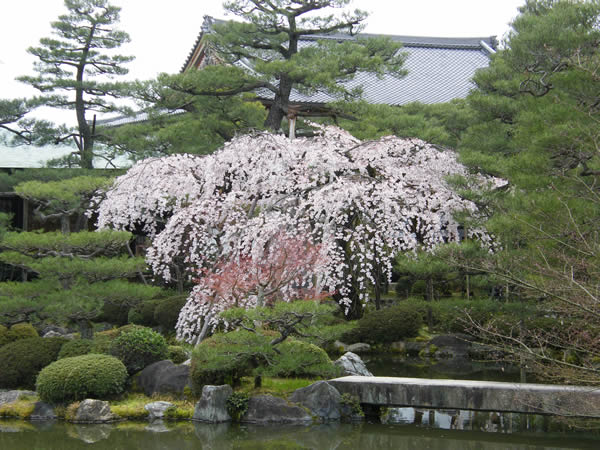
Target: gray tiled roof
(439, 69)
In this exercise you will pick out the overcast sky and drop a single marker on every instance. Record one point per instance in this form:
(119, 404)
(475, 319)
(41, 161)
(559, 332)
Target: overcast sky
(164, 31)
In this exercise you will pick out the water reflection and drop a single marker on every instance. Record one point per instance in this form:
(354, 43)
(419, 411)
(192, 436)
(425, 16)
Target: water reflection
(335, 436)
(484, 421)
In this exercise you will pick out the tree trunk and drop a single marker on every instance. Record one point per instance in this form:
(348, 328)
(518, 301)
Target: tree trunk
(204, 330)
(279, 107)
(86, 140)
(429, 289)
(65, 224)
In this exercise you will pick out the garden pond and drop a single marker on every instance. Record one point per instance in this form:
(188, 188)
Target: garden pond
(444, 430)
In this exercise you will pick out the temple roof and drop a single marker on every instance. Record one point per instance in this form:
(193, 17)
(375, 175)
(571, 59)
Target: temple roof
(439, 69)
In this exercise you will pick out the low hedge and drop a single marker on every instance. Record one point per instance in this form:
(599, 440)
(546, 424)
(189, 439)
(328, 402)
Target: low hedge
(80, 377)
(139, 348)
(22, 360)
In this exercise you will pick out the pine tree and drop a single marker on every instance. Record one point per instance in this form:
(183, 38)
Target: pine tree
(74, 69)
(268, 39)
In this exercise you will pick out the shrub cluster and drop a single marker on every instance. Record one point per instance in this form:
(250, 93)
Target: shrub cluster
(79, 377)
(143, 313)
(16, 332)
(177, 354)
(452, 315)
(166, 312)
(300, 360)
(225, 358)
(386, 325)
(21, 361)
(139, 348)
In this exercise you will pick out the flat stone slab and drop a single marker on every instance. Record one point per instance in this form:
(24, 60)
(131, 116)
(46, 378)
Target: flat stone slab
(580, 401)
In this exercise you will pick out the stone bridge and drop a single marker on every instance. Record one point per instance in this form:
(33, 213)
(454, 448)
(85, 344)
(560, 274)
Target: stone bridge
(579, 401)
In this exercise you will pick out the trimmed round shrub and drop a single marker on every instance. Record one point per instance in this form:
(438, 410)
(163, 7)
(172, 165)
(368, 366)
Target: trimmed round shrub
(300, 359)
(21, 331)
(177, 354)
(75, 347)
(79, 377)
(167, 312)
(139, 348)
(386, 325)
(143, 313)
(22, 360)
(103, 340)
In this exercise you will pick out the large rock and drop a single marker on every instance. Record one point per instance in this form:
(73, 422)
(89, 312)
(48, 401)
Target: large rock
(94, 411)
(164, 377)
(212, 406)
(452, 345)
(322, 399)
(13, 396)
(351, 364)
(264, 409)
(156, 410)
(43, 411)
(359, 347)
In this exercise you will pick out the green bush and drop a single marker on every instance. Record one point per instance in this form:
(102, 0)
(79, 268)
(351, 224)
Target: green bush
(143, 313)
(177, 354)
(21, 361)
(103, 340)
(225, 358)
(79, 377)
(167, 312)
(387, 325)
(4, 339)
(75, 347)
(21, 331)
(115, 313)
(300, 360)
(139, 348)
(237, 405)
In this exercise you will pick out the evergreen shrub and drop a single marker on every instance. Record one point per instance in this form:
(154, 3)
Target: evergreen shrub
(225, 358)
(386, 325)
(177, 354)
(4, 339)
(115, 313)
(139, 348)
(166, 312)
(22, 360)
(80, 377)
(143, 313)
(75, 347)
(21, 331)
(300, 360)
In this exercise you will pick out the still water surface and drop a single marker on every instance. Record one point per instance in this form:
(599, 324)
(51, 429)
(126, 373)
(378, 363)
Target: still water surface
(16, 435)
